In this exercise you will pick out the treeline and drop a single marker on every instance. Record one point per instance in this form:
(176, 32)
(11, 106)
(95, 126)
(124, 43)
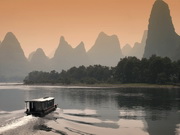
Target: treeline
(155, 70)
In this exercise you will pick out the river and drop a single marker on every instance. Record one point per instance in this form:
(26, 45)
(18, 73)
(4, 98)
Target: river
(91, 111)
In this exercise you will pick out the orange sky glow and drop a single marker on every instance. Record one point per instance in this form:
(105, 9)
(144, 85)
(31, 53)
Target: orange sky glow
(40, 23)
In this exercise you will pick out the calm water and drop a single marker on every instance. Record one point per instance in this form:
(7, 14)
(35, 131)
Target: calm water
(92, 111)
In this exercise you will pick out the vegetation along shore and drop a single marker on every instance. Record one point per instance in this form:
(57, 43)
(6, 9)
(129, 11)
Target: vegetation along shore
(129, 72)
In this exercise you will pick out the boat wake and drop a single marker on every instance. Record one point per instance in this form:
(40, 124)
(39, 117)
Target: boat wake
(64, 122)
(17, 123)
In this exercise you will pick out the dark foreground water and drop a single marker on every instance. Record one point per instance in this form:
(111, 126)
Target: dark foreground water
(92, 111)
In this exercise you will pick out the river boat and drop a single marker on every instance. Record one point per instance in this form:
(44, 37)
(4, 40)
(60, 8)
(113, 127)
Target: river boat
(40, 107)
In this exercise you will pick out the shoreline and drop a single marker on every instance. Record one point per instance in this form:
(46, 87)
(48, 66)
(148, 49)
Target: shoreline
(130, 85)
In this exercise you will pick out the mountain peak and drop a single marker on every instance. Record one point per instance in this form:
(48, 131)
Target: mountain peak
(106, 50)
(10, 39)
(12, 58)
(10, 45)
(160, 17)
(63, 48)
(40, 51)
(104, 35)
(81, 43)
(62, 38)
(9, 34)
(127, 46)
(80, 48)
(63, 42)
(162, 38)
(39, 61)
(160, 2)
(38, 55)
(126, 50)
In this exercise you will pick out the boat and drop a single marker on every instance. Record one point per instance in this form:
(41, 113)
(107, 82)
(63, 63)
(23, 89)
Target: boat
(40, 107)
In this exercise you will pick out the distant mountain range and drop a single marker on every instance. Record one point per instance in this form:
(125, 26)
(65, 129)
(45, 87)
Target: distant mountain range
(15, 66)
(66, 57)
(106, 50)
(160, 39)
(137, 50)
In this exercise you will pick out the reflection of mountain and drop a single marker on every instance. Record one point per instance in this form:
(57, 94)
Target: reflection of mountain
(13, 63)
(162, 39)
(155, 108)
(106, 50)
(160, 106)
(165, 126)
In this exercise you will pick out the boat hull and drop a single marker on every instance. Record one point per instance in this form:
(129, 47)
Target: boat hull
(43, 112)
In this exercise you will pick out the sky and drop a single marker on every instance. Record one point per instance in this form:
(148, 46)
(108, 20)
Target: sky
(41, 23)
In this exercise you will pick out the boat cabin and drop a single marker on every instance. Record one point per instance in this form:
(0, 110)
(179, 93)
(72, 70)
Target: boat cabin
(40, 107)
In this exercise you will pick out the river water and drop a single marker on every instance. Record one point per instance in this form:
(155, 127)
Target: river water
(91, 111)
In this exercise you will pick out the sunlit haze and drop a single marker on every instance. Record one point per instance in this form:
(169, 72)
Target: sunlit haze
(40, 23)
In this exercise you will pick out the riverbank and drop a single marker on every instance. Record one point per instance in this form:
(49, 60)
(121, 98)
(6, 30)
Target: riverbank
(105, 85)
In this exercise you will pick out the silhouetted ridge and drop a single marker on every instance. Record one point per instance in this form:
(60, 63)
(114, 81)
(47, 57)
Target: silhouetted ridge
(127, 50)
(138, 49)
(31, 55)
(81, 47)
(63, 49)
(13, 63)
(80, 56)
(106, 50)
(11, 48)
(160, 19)
(39, 61)
(162, 39)
(39, 55)
(66, 57)
(10, 42)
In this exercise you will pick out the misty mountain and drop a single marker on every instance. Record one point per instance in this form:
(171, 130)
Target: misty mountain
(66, 57)
(138, 48)
(162, 39)
(106, 50)
(39, 61)
(80, 55)
(30, 55)
(13, 63)
(126, 50)
(51, 54)
(63, 57)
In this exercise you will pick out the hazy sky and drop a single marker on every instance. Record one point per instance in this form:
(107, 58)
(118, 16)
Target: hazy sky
(40, 23)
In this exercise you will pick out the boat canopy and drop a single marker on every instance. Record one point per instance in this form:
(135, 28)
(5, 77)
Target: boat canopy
(44, 99)
(40, 107)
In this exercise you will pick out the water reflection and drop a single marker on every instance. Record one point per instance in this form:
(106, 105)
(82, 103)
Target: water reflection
(112, 111)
